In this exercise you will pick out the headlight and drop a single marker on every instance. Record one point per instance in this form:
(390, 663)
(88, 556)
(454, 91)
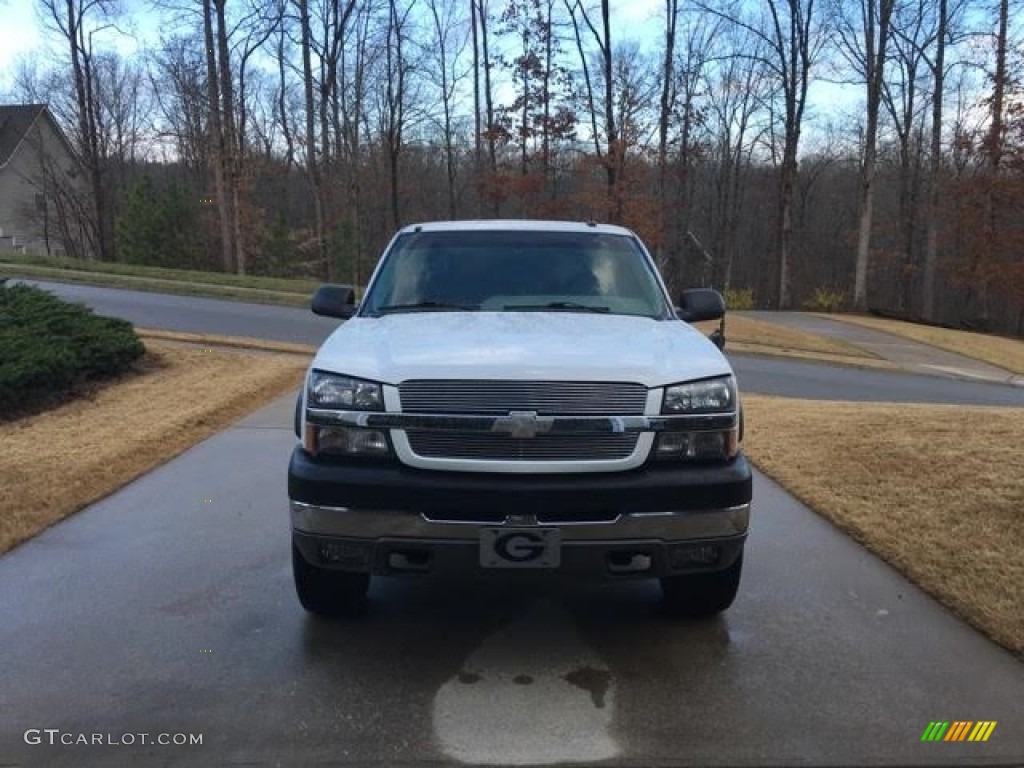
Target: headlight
(708, 396)
(329, 390)
(346, 441)
(713, 445)
(697, 398)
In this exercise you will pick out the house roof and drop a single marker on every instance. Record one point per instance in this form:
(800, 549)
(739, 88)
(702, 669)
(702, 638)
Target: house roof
(15, 122)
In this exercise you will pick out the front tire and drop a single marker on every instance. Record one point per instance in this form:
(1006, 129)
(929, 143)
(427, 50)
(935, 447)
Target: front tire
(326, 592)
(695, 595)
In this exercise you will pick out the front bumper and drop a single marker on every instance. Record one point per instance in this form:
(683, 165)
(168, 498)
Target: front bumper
(389, 518)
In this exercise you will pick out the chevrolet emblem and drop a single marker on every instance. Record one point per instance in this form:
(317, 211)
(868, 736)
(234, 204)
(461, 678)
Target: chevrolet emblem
(522, 424)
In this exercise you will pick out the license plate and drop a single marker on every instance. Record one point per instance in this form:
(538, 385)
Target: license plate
(520, 548)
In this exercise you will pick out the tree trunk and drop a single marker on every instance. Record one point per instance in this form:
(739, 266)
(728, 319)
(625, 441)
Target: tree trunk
(477, 137)
(441, 30)
(229, 142)
(85, 103)
(312, 166)
(876, 39)
(786, 187)
(492, 152)
(615, 150)
(545, 140)
(217, 150)
(931, 256)
(987, 255)
(667, 103)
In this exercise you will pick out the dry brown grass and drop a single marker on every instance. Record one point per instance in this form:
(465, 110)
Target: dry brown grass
(759, 337)
(997, 350)
(55, 463)
(935, 490)
(236, 342)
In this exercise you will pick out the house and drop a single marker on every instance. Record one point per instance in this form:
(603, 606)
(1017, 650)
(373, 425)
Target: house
(41, 182)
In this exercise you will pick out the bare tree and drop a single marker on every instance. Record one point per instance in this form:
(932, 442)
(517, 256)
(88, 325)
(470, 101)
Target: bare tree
(77, 21)
(448, 44)
(736, 92)
(614, 150)
(666, 108)
(354, 97)
(692, 73)
(482, 62)
(938, 72)
(994, 146)
(477, 133)
(396, 73)
(218, 142)
(178, 82)
(912, 26)
(588, 82)
(312, 163)
(864, 43)
(792, 35)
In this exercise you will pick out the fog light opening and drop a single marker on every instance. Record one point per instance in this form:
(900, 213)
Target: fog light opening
(409, 560)
(343, 553)
(629, 562)
(701, 556)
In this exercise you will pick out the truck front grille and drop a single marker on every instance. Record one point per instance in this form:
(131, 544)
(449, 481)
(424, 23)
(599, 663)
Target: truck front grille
(498, 447)
(548, 398)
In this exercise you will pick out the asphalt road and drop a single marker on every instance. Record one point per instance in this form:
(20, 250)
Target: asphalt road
(194, 314)
(763, 375)
(168, 608)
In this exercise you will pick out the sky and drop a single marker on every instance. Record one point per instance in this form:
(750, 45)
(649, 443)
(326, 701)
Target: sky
(21, 30)
(18, 32)
(21, 33)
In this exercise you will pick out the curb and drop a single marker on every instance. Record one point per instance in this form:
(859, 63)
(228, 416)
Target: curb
(235, 342)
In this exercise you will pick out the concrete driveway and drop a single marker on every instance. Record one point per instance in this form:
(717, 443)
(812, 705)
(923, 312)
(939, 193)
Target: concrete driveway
(168, 609)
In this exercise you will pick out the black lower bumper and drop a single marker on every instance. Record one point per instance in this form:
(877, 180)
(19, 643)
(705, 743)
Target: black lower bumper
(632, 559)
(449, 495)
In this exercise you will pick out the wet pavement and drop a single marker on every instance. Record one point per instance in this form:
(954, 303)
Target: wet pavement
(168, 608)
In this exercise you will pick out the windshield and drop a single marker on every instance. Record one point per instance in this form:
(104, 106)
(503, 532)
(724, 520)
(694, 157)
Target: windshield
(516, 271)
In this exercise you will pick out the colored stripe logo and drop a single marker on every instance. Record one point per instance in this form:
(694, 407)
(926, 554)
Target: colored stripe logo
(958, 730)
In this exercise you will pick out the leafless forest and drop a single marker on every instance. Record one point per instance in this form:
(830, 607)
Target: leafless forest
(291, 137)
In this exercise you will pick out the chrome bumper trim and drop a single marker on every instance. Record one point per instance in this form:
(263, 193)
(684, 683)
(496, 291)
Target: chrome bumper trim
(666, 525)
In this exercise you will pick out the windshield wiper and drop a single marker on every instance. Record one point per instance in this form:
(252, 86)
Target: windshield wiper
(559, 306)
(427, 306)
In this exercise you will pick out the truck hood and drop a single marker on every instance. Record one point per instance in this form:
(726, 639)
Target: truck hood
(552, 346)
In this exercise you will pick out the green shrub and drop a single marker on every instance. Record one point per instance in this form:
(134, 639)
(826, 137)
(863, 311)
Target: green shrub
(825, 300)
(739, 298)
(47, 346)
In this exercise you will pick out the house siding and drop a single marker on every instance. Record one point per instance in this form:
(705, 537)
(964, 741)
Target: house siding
(22, 180)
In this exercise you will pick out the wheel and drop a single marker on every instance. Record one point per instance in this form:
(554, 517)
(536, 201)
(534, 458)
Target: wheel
(326, 592)
(694, 595)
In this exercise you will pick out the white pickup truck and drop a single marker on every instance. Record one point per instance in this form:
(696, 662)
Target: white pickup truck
(516, 395)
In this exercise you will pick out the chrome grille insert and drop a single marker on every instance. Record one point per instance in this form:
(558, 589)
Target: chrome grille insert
(498, 447)
(547, 398)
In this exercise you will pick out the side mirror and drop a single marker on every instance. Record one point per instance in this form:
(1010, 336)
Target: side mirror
(701, 304)
(334, 301)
